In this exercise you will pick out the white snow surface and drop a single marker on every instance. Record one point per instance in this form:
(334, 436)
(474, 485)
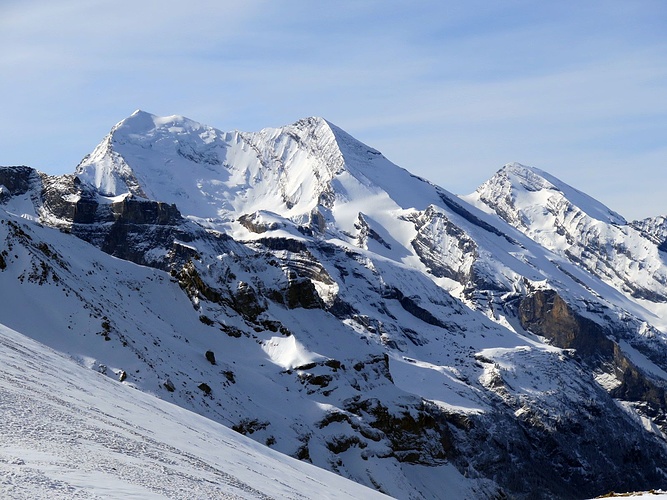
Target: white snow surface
(156, 335)
(209, 173)
(214, 177)
(68, 432)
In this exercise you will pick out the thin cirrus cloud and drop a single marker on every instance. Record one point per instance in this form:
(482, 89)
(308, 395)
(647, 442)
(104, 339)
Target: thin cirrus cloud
(448, 90)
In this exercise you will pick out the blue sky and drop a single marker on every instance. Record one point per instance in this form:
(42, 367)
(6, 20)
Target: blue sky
(449, 90)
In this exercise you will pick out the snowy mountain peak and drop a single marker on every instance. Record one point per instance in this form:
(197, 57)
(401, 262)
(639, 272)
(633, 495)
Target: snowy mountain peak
(141, 149)
(347, 144)
(314, 136)
(578, 228)
(530, 178)
(218, 177)
(137, 121)
(143, 124)
(314, 123)
(531, 190)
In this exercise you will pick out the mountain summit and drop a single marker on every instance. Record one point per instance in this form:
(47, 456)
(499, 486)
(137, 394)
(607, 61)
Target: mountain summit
(529, 189)
(577, 227)
(214, 174)
(296, 286)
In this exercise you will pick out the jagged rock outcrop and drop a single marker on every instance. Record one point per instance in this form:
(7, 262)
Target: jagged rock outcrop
(17, 180)
(545, 313)
(444, 248)
(654, 229)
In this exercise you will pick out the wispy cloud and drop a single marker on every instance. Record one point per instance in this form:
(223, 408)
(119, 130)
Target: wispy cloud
(449, 90)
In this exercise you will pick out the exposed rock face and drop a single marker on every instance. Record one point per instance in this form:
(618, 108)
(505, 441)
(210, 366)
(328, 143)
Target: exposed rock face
(366, 232)
(655, 229)
(126, 229)
(68, 201)
(210, 357)
(541, 445)
(545, 313)
(17, 180)
(247, 302)
(302, 293)
(416, 435)
(254, 223)
(443, 247)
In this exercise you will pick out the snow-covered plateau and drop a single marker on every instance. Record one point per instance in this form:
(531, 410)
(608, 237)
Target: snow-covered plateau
(186, 286)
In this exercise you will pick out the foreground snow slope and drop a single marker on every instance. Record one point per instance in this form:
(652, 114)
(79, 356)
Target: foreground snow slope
(68, 432)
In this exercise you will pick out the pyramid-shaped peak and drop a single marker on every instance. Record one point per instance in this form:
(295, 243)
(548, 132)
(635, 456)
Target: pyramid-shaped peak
(313, 121)
(531, 178)
(323, 129)
(141, 112)
(521, 169)
(313, 127)
(137, 121)
(517, 178)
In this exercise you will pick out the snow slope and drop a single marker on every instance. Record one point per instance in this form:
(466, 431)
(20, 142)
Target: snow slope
(115, 317)
(210, 174)
(68, 432)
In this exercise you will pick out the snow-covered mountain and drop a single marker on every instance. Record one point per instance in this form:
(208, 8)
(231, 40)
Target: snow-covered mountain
(295, 285)
(575, 226)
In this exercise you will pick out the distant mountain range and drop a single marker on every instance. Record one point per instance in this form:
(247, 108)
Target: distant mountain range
(296, 286)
